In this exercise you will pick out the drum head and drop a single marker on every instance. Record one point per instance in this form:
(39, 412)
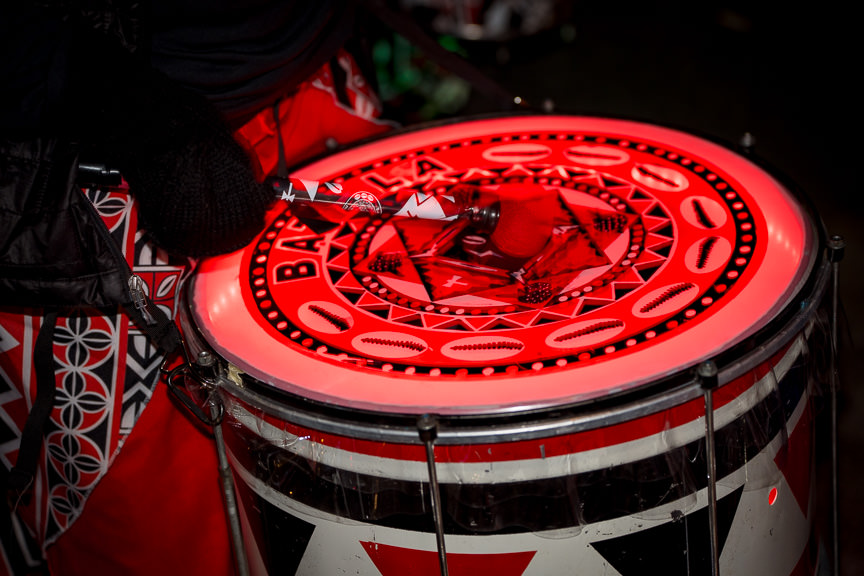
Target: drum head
(623, 253)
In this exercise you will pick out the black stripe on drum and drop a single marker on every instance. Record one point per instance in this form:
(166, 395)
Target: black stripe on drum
(280, 538)
(677, 548)
(514, 507)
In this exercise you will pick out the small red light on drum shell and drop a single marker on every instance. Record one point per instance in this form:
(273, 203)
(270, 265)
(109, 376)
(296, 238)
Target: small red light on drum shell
(772, 496)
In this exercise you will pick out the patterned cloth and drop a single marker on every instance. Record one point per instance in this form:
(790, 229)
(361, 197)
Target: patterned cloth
(117, 492)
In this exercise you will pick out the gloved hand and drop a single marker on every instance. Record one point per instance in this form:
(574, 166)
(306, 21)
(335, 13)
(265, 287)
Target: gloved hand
(194, 183)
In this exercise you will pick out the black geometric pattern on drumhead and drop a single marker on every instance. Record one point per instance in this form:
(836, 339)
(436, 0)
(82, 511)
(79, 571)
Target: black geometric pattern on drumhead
(679, 547)
(280, 537)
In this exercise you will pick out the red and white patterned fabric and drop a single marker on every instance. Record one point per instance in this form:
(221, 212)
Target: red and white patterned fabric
(121, 490)
(314, 119)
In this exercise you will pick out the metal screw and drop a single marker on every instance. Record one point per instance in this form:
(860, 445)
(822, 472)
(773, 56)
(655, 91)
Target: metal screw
(707, 372)
(837, 248)
(747, 142)
(205, 359)
(427, 426)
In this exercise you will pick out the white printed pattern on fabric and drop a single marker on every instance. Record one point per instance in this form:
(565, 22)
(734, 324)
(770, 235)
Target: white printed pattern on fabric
(106, 371)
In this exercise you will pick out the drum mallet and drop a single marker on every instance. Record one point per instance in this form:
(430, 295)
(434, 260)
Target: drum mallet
(518, 226)
(331, 201)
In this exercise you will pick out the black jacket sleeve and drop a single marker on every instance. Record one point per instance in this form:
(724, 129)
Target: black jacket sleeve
(195, 185)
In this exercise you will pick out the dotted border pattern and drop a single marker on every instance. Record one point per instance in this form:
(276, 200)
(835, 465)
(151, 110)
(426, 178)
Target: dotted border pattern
(744, 231)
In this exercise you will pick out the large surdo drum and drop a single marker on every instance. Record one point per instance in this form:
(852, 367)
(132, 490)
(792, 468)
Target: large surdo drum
(552, 352)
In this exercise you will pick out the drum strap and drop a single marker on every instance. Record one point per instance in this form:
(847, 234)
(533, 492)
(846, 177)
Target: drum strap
(22, 474)
(17, 547)
(282, 165)
(339, 81)
(155, 324)
(73, 289)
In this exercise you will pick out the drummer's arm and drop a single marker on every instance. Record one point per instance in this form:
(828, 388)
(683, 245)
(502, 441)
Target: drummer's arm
(194, 184)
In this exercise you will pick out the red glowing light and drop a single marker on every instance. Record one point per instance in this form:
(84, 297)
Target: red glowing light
(629, 279)
(772, 496)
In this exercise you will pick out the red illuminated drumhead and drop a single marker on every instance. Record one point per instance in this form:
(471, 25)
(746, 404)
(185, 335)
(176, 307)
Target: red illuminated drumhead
(623, 253)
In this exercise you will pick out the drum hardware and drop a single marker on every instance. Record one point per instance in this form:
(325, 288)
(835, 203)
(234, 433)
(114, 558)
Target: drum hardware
(181, 392)
(207, 364)
(205, 373)
(139, 298)
(707, 374)
(836, 251)
(427, 427)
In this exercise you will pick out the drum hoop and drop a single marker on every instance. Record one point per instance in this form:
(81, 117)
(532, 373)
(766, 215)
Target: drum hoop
(508, 426)
(538, 422)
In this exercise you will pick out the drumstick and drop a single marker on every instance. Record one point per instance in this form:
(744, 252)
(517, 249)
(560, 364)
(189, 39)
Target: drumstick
(457, 203)
(519, 224)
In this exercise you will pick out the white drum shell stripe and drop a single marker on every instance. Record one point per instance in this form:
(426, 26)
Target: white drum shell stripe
(518, 470)
(766, 540)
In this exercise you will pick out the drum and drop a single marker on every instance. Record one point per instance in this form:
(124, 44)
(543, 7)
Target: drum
(616, 373)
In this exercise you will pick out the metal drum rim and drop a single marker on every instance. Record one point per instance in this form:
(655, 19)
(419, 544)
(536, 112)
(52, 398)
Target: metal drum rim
(509, 426)
(534, 421)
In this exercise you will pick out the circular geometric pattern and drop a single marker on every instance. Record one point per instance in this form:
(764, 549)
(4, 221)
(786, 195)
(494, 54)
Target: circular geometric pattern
(603, 246)
(601, 230)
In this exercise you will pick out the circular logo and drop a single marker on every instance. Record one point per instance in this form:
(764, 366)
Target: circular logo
(569, 247)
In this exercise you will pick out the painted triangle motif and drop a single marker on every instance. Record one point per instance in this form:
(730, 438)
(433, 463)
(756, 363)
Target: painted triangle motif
(680, 547)
(281, 538)
(397, 561)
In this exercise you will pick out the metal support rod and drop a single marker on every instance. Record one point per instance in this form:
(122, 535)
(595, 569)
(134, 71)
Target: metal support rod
(836, 248)
(240, 560)
(427, 426)
(206, 362)
(707, 372)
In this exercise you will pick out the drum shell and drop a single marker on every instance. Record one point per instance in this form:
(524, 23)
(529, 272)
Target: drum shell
(332, 484)
(527, 493)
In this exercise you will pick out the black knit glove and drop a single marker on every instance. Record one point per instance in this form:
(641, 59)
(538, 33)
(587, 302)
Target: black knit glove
(193, 182)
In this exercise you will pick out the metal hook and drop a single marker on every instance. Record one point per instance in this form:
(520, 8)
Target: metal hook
(179, 392)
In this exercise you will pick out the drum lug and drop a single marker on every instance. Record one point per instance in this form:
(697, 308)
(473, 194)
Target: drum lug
(207, 368)
(205, 373)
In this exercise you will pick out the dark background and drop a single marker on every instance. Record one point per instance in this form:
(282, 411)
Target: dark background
(719, 70)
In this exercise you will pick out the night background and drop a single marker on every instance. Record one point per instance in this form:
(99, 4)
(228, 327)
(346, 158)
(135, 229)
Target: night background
(714, 69)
